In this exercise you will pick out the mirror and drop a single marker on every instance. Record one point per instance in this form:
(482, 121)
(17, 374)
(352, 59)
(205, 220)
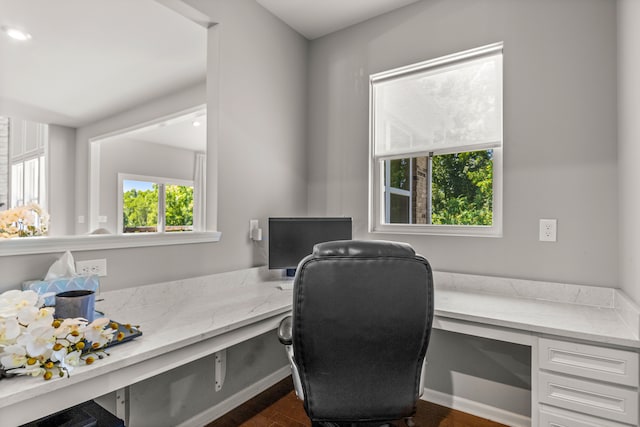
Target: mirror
(151, 178)
(83, 69)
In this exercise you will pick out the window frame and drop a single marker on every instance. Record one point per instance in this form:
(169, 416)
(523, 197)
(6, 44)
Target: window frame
(377, 207)
(162, 183)
(38, 136)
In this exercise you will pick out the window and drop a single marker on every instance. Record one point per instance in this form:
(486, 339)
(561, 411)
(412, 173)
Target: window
(151, 204)
(28, 142)
(436, 146)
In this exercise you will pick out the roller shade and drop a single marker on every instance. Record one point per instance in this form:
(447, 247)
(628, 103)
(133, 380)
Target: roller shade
(450, 104)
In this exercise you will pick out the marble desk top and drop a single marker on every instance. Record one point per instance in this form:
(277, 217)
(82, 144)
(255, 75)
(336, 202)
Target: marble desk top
(171, 316)
(596, 314)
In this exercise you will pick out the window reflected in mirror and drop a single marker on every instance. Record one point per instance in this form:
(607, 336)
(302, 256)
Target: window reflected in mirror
(23, 171)
(151, 178)
(156, 205)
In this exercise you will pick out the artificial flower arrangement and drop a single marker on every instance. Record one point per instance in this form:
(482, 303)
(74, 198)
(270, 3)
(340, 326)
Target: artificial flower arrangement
(33, 343)
(24, 221)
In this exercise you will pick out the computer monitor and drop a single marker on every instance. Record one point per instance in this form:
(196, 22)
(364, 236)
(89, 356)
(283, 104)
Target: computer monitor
(291, 239)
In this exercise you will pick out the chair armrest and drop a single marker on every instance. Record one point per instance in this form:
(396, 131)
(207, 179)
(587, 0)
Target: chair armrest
(423, 377)
(285, 331)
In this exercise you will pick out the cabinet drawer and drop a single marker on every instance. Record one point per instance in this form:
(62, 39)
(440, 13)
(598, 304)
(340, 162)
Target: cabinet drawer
(556, 417)
(601, 400)
(598, 363)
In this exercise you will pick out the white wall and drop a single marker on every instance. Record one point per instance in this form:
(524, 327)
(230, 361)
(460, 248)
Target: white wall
(629, 145)
(559, 129)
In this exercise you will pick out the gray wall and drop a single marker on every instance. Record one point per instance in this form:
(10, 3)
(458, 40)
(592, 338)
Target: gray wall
(61, 179)
(260, 155)
(256, 105)
(153, 110)
(559, 129)
(628, 145)
(560, 153)
(560, 157)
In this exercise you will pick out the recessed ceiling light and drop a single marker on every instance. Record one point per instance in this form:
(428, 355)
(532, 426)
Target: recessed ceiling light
(17, 34)
(196, 123)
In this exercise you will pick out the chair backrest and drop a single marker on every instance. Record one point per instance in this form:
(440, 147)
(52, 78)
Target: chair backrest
(362, 315)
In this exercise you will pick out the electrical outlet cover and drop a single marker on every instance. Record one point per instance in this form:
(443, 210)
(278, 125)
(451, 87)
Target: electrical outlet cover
(548, 230)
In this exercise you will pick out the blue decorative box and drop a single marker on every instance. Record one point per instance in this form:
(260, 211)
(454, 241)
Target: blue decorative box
(63, 284)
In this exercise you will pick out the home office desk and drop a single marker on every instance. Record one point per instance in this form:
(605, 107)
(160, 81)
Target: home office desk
(181, 321)
(584, 340)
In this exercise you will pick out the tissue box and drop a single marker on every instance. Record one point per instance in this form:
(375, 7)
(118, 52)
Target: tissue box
(63, 284)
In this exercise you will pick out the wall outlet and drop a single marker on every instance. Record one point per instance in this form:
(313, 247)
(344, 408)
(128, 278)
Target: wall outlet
(548, 230)
(92, 267)
(255, 232)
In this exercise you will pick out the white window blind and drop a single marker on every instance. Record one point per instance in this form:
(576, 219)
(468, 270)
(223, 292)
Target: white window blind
(449, 104)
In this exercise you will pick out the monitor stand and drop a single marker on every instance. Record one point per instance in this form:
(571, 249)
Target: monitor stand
(291, 272)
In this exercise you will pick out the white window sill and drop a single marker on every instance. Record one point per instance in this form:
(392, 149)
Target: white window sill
(438, 230)
(42, 245)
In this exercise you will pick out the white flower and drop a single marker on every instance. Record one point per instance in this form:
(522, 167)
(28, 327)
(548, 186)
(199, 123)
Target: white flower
(44, 316)
(31, 315)
(30, 344)
(9, 331)
(11, 302)
(71, 329)
(95, 332)
(38, 339)
(13, 356)
(70, 361)
(58, 356)
(33, 370)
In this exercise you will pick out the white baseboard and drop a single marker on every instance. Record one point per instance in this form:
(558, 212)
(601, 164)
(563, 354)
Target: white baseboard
(476, 408)
(232, 402)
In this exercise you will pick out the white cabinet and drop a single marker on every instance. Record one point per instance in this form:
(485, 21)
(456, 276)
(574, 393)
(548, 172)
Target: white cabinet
(555, 417)
(597, 381)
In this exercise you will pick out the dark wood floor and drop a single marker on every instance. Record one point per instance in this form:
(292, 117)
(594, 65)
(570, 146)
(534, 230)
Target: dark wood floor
(279, 407)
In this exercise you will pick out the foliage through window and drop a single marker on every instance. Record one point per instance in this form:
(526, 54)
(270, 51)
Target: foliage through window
(436, 144)
(156, 205)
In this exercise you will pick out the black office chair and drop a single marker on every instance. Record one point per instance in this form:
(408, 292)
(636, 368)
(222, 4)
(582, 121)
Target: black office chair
(359, 331)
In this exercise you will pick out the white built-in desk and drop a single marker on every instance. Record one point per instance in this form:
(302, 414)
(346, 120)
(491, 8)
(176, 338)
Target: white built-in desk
(181, 321)
(584, 340)
(584, 343)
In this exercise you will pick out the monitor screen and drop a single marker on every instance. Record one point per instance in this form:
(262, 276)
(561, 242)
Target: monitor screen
(291, 239)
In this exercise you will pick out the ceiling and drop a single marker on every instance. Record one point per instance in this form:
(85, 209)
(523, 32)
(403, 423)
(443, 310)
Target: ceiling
(88, 60)
(316, 18)
(177, 132)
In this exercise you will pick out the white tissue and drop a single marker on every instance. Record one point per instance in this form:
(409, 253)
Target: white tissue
(63, 267)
